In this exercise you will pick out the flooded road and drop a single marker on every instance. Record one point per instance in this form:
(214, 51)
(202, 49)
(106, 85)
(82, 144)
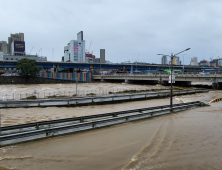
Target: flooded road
(186, 140)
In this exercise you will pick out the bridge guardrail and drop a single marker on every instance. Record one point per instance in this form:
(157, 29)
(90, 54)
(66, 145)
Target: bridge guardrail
(57, 94)
(96, 99)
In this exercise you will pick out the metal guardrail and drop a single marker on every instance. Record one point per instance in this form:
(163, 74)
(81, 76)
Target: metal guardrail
(160, 77)
(31, 131)
(74, 101)
(160, 73)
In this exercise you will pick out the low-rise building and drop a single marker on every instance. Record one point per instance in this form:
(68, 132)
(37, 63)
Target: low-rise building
(18, 57)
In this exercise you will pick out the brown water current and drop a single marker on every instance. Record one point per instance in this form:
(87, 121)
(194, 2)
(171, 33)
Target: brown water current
(22, 91)
(191, 139)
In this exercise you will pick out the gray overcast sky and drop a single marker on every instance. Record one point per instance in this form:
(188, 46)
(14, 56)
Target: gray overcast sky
(138, 29)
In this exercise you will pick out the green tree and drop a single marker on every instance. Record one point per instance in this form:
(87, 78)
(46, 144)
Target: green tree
(27, 67)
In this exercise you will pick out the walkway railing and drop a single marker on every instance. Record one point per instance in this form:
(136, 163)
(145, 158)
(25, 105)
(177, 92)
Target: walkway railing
(161, 73)
(79, 101)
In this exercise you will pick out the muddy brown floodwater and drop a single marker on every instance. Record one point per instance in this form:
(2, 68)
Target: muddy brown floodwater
(191, 139)
(22, 91)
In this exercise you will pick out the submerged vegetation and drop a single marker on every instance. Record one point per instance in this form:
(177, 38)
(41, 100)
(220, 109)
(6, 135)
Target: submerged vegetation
(31, 97)
(91, 94)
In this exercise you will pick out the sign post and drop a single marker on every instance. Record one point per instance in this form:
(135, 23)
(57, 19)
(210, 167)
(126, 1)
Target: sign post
(173, 79)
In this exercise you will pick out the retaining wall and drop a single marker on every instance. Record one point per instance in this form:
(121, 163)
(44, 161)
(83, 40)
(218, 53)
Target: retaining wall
(87, 77)
(34, 80)
(47, 78)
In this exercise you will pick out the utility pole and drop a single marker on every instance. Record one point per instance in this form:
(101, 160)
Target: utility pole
(183, 62)
(132, 65)
(171, 83)
(77, 82)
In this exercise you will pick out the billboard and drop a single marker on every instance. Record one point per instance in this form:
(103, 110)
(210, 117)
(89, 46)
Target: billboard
(76, 48)
(19, 46)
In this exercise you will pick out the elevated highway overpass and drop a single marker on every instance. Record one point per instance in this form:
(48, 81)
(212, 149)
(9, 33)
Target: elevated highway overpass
(180, 79)
(11, 64)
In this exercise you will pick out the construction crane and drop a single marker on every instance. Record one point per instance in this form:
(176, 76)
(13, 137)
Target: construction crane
(31, 50)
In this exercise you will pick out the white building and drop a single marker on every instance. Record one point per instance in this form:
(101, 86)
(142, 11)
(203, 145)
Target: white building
(193, 61)
(75, 49)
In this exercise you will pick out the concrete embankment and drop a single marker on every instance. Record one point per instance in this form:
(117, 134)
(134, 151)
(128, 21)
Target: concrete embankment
(33, 80)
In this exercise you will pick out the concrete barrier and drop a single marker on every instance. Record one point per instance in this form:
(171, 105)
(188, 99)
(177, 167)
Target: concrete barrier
(216, 100)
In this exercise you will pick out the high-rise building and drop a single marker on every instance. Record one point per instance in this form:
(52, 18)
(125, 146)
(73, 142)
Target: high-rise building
(220, 62)
(75, 49)
(164, 60)
(102, 56)
(4, 47)
(193, 61)
(214, 62)
(176, 60)
(14, 37)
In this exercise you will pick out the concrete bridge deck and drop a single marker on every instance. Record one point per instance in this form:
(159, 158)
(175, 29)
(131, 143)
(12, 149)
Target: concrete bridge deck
(186, 79)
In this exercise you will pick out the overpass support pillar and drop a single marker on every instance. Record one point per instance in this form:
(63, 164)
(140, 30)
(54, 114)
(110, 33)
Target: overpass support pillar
(183, 83)
(164, 83)
(126, 81)
(102, 79)
(217, 86)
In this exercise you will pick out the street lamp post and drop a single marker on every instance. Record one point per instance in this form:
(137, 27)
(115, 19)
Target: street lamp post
(137, 61)
(171, 82)
(77, 77)
(100, 68)
(183, 62)
(76, 84)
(132, 64)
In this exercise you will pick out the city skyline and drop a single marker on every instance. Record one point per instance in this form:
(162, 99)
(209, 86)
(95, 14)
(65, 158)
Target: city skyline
(125, 29)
